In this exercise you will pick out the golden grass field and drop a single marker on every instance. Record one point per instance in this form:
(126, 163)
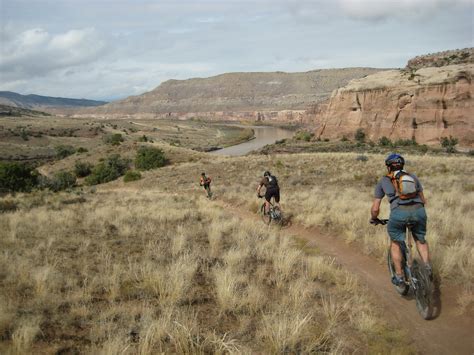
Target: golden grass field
(150, 272)
(152, 266)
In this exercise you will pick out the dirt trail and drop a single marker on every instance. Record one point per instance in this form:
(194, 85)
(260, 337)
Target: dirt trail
(448, 333)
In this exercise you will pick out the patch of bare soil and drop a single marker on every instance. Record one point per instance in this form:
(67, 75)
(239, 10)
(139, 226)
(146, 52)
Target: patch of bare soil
(447, 333)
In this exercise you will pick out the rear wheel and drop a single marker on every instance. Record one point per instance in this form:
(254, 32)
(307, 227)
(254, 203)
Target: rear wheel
(266, 218)
(401, 289)
(424, 290)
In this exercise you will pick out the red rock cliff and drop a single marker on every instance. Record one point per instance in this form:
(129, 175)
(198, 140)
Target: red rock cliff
(425, 104)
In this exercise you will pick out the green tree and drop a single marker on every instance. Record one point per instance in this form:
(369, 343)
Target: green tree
(17, 177)
(149, 158)
(109, 169)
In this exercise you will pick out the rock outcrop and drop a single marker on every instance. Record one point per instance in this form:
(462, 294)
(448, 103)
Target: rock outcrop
(424, 104)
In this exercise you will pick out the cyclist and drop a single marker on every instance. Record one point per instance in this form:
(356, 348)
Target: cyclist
(206, 183)
(271, 190)
(405, 195)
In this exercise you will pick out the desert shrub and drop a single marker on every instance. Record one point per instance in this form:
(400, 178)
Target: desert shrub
(326, 139)
(82, 169)
(362, 158)
(281, 141)
(113, 139)
(385, 142)
(8, 206)
(304, 136)
(109, 169)
(132, 175)
(405, 142)
(63, 151)
(360, 135)
(471, 152)
(149, 158)
(449, 144)
(344, 139)
(82, 150)
(62, 180)
(24, 135)
(423, 148)
(143, 139)
(17, 177)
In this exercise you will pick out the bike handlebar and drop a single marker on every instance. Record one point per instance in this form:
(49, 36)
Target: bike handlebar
(377, 221)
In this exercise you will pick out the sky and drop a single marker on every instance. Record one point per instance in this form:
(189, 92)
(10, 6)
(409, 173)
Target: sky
(111, 49)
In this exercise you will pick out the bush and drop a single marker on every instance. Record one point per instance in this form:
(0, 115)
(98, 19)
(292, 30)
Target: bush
(362, 158)
(449, 144)
(17, 177)
(113, 139)
(82, 150)
(108, 170)
(149, 158)
(385, 142)
(143, 139)
(405, 142)
(132, 175)
(63, 151)
(360, 135)
(82, 169)
(8, 206)
(344, 139)
(62, 180)
(304, 136)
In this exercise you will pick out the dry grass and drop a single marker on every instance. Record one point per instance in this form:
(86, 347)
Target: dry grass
(127, 272)
(334, 191)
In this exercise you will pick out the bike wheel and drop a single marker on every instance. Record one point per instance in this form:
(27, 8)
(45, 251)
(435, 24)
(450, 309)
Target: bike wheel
(423, 291)
(401, 289)
(266, 218)
(278, 216)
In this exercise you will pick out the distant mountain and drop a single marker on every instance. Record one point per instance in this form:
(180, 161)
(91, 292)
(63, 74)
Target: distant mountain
(237, 92)
(41, 102)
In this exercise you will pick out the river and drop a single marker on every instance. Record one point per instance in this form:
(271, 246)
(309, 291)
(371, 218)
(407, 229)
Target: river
(263, 135)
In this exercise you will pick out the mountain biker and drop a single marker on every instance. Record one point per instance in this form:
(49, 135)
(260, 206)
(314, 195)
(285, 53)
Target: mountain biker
(206, 182)
(271, 190)
(405, 208)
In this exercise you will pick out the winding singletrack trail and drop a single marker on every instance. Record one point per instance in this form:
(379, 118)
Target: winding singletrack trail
(448, 333)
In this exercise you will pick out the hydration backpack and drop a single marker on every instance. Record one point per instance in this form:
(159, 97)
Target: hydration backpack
(404, 184)
(272, 181)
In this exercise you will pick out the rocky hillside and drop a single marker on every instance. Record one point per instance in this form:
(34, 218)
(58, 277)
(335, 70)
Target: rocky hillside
(236, 95)
(424, 104)
(41, 102)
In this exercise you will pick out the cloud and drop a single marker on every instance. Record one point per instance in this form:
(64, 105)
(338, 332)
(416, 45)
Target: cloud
(376, 10)
(36, 53)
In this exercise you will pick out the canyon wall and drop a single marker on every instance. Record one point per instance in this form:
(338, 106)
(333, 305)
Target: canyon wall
(424, 104)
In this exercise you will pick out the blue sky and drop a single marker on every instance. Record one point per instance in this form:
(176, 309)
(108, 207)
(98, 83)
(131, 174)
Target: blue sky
(106, 49)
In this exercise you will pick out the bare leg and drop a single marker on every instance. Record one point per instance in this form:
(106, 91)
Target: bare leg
(424, 252)
(267, 206)
(396, 257)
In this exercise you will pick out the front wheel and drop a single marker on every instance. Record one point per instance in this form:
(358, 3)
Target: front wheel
(424, 290)
(401, 289)
(266, 218)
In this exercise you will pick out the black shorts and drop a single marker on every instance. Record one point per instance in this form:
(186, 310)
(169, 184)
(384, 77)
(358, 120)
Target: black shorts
(273, 192)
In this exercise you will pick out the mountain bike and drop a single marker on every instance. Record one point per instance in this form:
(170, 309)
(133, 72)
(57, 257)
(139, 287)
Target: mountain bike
(418, 280)
(274, 214)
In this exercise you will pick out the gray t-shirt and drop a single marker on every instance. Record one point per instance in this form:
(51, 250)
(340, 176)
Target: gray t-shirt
(385, 187)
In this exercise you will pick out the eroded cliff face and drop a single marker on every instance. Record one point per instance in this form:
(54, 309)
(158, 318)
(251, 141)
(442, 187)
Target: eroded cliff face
(425, 105)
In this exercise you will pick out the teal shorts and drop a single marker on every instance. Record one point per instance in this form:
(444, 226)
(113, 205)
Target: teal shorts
(400, 217)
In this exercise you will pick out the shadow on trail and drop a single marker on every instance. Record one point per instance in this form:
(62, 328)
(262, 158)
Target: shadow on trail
(437, 304)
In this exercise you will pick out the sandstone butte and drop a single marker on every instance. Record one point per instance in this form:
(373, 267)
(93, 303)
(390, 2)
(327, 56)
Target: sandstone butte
(421, 103)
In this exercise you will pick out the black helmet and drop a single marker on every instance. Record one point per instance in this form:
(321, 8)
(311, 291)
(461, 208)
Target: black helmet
(203, 174)
(395, 159)
(267, 173)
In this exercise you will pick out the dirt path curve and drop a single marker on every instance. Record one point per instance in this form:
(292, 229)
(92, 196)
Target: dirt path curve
(449, 333)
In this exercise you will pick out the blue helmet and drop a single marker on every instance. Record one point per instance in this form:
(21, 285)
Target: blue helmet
(395, 159)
